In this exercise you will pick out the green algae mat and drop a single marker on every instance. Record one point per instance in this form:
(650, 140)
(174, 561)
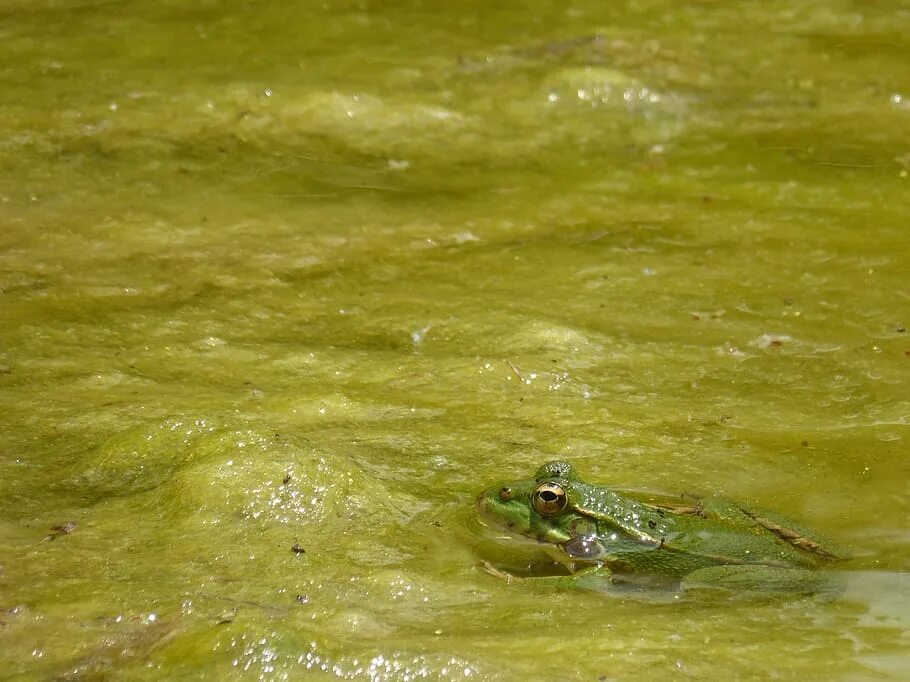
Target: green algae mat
(285, 285)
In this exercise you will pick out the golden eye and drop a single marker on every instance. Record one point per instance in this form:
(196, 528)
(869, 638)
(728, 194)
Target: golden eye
(549, 499)
(505, 494)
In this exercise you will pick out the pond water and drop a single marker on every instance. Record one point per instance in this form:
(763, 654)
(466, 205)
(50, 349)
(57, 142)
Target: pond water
(285, 285)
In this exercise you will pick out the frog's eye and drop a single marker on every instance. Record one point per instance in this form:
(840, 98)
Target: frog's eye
(549, 499)
(505, 494)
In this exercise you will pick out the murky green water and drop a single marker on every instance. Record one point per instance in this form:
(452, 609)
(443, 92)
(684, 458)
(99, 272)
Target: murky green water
(313, 274)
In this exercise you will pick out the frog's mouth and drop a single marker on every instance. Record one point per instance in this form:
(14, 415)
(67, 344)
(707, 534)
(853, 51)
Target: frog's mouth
(489, 516)
(494, 515)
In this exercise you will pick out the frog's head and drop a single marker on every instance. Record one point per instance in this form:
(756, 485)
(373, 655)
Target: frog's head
(541, 508)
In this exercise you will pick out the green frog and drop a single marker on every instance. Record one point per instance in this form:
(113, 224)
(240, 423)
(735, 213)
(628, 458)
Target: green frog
(603, 537)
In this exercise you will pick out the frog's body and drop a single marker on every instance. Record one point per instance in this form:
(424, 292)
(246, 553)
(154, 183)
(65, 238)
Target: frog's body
(597, 532)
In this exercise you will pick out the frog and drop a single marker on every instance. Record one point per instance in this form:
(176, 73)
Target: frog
(603, 536)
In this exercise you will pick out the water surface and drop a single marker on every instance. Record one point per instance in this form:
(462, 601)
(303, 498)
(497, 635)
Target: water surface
(314, 274)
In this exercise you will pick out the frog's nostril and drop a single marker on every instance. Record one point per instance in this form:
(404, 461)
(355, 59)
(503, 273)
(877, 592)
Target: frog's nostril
(505, 494)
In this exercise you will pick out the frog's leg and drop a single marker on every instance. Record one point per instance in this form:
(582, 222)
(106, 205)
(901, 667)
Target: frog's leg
(590, 577)
(754, 578)
(598, 578)
(490, 569)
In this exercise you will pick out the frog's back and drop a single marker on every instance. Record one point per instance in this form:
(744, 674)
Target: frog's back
(732, 534)
(685, 533)
(725, 542)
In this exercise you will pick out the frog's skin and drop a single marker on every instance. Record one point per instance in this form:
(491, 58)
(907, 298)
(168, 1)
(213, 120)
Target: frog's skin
(598, 533)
